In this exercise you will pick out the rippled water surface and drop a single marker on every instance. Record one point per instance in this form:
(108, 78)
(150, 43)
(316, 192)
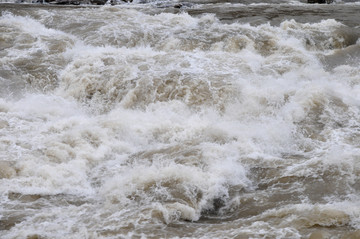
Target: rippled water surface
(197, 119)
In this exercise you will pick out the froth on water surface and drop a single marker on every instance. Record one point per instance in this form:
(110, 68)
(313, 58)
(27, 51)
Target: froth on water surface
(212, 120)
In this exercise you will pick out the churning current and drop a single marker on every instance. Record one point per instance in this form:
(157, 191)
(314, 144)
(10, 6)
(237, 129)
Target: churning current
(197, 119)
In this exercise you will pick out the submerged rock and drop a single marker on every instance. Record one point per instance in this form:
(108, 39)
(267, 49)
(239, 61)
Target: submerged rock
(98, 2)
(64, 2)
(78, 2)
(320, 1)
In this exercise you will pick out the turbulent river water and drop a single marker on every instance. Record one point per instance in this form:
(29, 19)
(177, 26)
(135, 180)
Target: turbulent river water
(197, 119)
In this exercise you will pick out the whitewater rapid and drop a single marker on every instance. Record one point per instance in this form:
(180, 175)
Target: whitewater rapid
(133, 121)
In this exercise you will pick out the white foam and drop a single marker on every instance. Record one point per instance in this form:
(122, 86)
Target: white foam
(161, 119)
